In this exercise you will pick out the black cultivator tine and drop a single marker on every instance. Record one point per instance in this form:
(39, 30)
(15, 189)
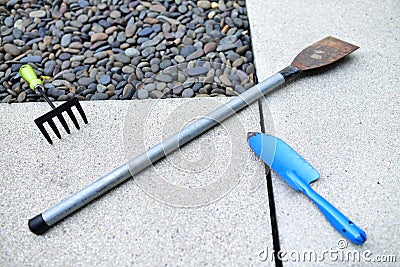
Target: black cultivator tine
(64, 123)
(80, 110)
(57, 112)
(54, 127)
(73, 118)
(44, 132)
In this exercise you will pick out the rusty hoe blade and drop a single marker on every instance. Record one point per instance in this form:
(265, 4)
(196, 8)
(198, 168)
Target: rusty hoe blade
(57, 112)
(323, 53)
(317, 55)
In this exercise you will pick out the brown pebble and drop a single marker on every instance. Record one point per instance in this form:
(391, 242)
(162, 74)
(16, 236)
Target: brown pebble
(130, 30)
(100, 36)
(237, 62)
(210, 47)
(225, 80)
(111, 30)
(21, 97)
(242, 50)
(150, 20)
(47, 40)
(12, 50)
(225, 29)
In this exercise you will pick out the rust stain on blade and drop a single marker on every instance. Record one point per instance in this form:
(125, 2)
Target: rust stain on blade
(322, 53)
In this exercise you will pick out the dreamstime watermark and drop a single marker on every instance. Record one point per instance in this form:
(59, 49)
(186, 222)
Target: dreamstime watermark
(212, 165)
(339, 254)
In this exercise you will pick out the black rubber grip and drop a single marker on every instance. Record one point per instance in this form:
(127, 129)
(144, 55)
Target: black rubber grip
(290, 72)
(37, 225)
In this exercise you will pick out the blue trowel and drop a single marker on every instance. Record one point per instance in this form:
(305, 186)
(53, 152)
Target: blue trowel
(298, 173)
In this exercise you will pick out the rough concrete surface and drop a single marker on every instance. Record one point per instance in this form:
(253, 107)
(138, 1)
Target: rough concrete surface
(344, 121)
(133, 224)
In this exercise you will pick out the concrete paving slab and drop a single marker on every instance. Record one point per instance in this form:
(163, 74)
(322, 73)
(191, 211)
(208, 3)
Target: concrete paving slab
(133, 224)
(343, 121)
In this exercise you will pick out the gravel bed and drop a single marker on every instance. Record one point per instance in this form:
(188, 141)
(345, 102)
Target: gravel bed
(120, 49)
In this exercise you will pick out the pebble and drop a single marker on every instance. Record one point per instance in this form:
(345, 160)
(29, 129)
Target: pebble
(145, 32)
(7, 99)
(210, 47)
(31, 59)
(197, 71)
(37, 14)
(54, 92)
(132, 52)
(66, 40)
(148, 51)
(128, 91)
(204, 4)
(21, 97)
(225, 47)
(12, 50)
(187, 93)
(99, 96)
(100, 36)
(156, 94)
(142, 94)
(69, 76)
(158, 8)
(225, 80)
(164, 78)
(195, 55)
(187, 50)
(165, 64)
(128, 69)
(130, 30)
(238, 62)
(49, 67)
(168, 20)
(105, 79)
(85, 81)
(122, 58)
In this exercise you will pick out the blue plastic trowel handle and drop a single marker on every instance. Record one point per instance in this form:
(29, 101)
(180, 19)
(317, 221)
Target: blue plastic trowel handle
(338, 220)
(298, 173)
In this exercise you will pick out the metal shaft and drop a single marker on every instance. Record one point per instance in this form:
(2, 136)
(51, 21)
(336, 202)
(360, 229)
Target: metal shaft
(42, 222)
(40, 89)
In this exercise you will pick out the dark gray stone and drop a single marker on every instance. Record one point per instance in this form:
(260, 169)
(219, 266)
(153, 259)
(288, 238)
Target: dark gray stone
(164, 78)
(187, 93)
(85, 81)
(99, 96)
(31, 59)
(187, 50)
(197, 71)
(49, 67)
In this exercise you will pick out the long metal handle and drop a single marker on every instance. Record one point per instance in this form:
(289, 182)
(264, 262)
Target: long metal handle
(43, 221)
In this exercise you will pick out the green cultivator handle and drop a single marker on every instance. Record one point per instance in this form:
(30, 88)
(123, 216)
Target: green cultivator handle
(29, 75)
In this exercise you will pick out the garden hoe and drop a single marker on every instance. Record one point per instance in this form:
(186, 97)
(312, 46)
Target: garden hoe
(29, 75)
(322, 53)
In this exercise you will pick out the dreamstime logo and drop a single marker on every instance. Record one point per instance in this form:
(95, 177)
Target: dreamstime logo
(339, 254)
(214, 163)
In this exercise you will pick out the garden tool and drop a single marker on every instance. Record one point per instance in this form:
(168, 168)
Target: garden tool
(298, 173)
(29, 75)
